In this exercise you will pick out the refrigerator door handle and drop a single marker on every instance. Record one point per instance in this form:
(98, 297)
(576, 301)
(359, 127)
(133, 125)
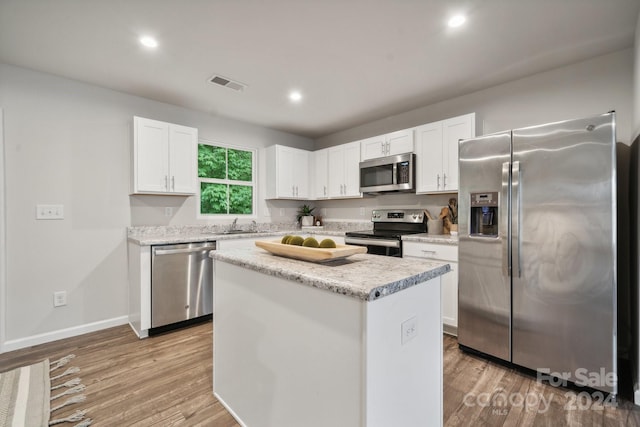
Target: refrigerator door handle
(504, 219)
(516, 194)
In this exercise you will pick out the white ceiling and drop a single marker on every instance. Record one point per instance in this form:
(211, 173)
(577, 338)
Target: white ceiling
(355, 61)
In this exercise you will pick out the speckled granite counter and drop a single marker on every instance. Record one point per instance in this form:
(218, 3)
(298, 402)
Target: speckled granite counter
(186, 234)
(431, 238)
(362, 276)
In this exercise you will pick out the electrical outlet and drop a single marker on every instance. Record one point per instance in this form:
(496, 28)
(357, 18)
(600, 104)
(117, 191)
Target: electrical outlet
(168, 211)
(361, 211)
(409, 329)
(49, 211)
(59, 298)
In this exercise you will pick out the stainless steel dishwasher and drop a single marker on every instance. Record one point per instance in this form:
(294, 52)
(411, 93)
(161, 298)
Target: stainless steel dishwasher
(181, 284)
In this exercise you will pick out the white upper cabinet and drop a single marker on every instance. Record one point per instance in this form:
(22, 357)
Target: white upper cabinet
(437, 153)
(390, 144)
(287, 173)
(344, 170)
(164, 158)
(320, 166)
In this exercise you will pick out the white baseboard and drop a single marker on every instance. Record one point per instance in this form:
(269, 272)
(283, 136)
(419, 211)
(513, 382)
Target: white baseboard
(12, 345)
(229, 410)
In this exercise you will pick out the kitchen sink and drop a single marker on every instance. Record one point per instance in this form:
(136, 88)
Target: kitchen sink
(238, 232)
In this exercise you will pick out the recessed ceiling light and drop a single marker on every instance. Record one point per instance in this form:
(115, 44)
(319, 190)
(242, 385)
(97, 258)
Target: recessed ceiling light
(148, 41)
(457, 21)
(295, 96)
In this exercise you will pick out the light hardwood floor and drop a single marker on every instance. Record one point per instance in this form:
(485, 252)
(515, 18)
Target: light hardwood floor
(166, 380)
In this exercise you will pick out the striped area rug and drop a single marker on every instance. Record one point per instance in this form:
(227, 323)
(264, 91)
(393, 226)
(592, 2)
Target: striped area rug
(27, 396)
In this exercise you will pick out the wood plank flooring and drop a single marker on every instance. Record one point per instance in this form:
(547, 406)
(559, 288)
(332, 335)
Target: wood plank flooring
(166, 380)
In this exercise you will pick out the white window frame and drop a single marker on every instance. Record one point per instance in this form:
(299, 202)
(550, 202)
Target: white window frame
(253, 183)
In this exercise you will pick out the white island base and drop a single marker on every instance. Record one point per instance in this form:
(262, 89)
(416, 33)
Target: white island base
(287, 354)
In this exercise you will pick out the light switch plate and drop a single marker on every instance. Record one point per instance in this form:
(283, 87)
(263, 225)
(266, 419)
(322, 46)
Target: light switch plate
(49, 211)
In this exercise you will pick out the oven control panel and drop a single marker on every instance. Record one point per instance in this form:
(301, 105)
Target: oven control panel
(395, 215)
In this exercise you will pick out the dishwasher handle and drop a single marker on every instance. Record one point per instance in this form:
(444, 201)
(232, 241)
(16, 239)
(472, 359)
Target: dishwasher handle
(183, 251)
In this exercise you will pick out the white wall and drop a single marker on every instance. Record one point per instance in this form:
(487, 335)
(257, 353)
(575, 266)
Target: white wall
(68, 143)
(591, 87)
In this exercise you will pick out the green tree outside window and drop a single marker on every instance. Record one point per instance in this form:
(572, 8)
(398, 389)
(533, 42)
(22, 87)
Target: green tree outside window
(226, 180)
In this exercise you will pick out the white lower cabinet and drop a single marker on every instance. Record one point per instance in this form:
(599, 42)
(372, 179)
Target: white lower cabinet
(443, 253)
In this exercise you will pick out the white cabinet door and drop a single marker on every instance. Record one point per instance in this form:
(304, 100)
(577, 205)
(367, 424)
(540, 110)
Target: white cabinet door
(399, 142)
(300, 173)
(320, 186)
(450, 296)
(454, 130)
(352, 170)
(437, 153)
(429, 157)
(164, 158)
(183, 154)
(151, 156)
(336, 171)
(373, 148)
(344, 171)
(389, 144)
(441, 253)
(287, 173)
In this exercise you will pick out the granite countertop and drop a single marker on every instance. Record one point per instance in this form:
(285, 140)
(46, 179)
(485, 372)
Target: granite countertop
(431, 238)
(187, 236)
(363, 276)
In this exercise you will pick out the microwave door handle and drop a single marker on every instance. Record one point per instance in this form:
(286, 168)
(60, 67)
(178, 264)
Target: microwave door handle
(394, 178)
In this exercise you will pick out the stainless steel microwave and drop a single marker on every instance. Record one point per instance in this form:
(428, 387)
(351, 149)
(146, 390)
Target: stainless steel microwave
(392, 173)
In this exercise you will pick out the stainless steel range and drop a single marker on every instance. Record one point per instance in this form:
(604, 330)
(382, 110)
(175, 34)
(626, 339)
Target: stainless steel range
(388, 228)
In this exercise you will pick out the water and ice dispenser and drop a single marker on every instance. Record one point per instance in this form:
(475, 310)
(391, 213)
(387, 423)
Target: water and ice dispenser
(484, 214)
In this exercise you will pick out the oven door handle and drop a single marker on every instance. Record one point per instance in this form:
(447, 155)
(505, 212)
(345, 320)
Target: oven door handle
(372, 242)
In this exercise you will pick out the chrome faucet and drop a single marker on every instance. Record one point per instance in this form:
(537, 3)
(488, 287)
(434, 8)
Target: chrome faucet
(233, 224)
(254, 226)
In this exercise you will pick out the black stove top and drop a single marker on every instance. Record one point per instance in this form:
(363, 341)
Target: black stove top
(385, 234)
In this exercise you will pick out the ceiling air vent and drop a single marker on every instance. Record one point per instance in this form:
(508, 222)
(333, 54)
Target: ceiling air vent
(223, 81)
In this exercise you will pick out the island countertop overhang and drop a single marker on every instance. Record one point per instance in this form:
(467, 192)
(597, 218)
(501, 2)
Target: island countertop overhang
(362, 276)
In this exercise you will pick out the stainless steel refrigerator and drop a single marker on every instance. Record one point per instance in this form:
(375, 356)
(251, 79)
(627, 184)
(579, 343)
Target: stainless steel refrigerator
(537, 248)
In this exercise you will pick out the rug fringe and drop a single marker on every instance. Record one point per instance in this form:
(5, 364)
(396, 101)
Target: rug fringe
(61, 362)
(73, 386)
(69, 383)
(72, 370)
(72, 390)
(76, 416)
(75, 399)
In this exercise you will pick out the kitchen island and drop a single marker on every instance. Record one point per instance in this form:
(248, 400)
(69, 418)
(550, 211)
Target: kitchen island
(351, 342)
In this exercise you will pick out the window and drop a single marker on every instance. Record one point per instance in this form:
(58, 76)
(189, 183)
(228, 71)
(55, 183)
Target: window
(227, 179)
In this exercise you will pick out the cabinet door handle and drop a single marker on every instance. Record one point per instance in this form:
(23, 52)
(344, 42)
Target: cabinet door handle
(430, 254)
(382, 148)
(173, 183)
(438, 183)
(293, 190)
(166, 182)
(444, 180)
(325, 189)
(388, 147)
